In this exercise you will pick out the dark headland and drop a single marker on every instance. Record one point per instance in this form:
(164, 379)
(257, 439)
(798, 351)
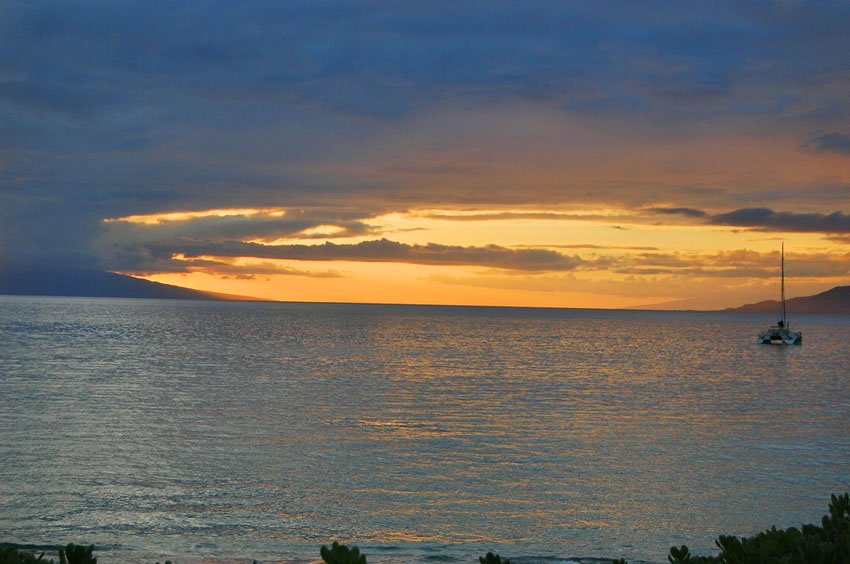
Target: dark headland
(58, 281)
(836, 300)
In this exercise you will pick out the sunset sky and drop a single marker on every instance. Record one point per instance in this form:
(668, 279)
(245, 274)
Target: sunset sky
(594, 154)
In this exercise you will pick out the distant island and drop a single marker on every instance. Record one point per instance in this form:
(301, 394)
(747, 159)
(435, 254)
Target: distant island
(836, 300)
(57, 281)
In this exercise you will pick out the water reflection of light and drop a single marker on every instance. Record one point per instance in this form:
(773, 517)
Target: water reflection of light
(268, 429)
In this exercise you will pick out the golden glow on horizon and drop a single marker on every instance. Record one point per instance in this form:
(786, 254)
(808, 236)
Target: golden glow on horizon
(538, 228)
(625, 259)
(393, 283)
(624, 229)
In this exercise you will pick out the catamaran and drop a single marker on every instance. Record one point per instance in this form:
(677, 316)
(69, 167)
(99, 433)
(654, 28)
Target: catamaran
(781, 333)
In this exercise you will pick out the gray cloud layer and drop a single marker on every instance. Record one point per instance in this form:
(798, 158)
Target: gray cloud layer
(768, 220)
(145, 248)
(764, 219)
(734, 264)
(384, 250)
(727, 264)
(690, 212)
(112, 108)
(829, 143)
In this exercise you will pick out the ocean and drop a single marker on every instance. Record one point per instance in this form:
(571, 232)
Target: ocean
(225, 431)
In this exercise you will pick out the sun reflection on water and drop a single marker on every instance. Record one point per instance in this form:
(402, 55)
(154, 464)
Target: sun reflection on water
(213, 430)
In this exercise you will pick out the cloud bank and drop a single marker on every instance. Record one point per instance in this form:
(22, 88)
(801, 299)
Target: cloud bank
(829, 143)
(766, 219)
(339, 112)
(384, 250)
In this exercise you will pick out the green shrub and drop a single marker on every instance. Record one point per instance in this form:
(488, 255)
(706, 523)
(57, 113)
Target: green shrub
(70, 554)
(75, 554)
(679, 555)
(11, 555)
(827, 544)
(491, 558)
(341, 554)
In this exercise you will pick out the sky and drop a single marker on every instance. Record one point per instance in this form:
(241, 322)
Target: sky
(565, 154)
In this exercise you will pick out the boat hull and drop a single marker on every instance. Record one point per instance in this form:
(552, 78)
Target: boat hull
(778, 336)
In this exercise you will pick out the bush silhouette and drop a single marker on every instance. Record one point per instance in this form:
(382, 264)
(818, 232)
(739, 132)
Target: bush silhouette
(11, 555)
(341, 554)
(491, 558)
(70, 554)
(827, 544)
(75, 554)
(678, 555)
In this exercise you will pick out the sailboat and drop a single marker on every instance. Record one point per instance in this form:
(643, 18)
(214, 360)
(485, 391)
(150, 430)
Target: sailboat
(781, 333)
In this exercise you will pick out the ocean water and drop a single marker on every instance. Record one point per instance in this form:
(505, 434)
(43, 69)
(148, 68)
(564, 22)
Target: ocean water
(223, 431)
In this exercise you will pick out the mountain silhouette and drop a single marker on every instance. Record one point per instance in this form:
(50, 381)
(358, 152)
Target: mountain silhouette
(67, 281)
(836, 300)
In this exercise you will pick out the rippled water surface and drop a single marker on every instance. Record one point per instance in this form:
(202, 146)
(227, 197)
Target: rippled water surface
(222, 431)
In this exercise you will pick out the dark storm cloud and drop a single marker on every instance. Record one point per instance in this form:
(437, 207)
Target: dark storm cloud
(765, 219)
(829, 143)
(384, 250)
(116, 108)
(689, 212)
(741, 263)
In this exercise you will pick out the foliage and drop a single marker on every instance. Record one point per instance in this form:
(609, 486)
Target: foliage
(491, 558)
(75, 554)
(341, 554)
(679, 555)
(70, 554)
(827, 544)
(11, 555)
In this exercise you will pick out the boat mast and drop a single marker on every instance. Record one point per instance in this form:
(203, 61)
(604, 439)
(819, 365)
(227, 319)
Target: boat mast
(782, 306)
